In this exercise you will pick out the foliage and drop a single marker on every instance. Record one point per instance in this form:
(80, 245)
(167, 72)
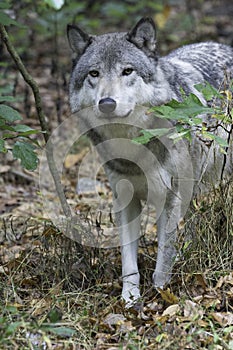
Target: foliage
(50, 17)
(186, 120)
(23, 148)
(4, 18)
(13, 322)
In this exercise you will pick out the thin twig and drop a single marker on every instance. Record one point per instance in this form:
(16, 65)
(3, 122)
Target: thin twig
(35, 89)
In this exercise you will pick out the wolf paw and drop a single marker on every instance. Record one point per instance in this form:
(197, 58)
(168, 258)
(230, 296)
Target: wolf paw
(161, 279)
(131, 296)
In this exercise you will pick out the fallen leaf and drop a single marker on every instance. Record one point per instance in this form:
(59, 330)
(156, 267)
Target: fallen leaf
(29, 282)
(114, 319)
(171, 310)
(230, 293)
(102, 338)
(201, 281)
(202, 323)
(210, 301)
(192, 310)
(159, 318)
(152, 306)
(4, 168)
(168, 296)
(15, 305)
(39, 306)
(228, 279)
(223, 318)
(126, 327)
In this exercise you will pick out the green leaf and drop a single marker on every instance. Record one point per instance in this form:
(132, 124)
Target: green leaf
(7, 89)
(61, 331)
(176, 136)
(223, 118)
(8, 136)
(21, 129)
(4, 5)
(7, 99)
(12, 309)
(54, 315)
(228, 330)
(2, 123)
(9, 114)
(190, 107)
(2, 146)
(7, 20)
(25, 130)
(208, 91)
(12, 328)
(149, 134)
(6, 127)
(220, 141)
(25, 152)
(56, 4)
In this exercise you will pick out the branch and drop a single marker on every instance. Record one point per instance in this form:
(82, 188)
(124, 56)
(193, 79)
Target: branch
(35, 89)
(28, 79)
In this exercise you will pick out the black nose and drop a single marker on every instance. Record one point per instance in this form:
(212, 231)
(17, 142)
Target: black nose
(107, 105)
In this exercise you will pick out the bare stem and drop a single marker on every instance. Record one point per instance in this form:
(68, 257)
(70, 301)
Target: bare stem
(44, 127)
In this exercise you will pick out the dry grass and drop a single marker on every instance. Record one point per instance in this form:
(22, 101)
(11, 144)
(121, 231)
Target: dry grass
(208, 250)
(57, 294)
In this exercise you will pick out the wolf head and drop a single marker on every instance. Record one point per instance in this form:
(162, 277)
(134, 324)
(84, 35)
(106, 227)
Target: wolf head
(113, 72)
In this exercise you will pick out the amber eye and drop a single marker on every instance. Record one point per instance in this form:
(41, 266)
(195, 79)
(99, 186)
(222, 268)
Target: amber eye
(127, 71)
(94, 73)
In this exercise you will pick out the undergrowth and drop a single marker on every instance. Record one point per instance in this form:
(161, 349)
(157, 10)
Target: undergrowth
(207, 243)
(58, 294)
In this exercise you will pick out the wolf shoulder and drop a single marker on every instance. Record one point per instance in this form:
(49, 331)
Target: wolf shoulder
(209, 61)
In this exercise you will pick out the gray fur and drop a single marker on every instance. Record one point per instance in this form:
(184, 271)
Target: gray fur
(126, 69)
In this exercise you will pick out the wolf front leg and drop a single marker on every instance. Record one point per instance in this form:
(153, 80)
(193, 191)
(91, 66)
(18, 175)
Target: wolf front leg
(128, 219)
(167, 233)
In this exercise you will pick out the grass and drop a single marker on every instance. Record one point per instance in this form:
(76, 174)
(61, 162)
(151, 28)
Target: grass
(57, 294)
(210, 231)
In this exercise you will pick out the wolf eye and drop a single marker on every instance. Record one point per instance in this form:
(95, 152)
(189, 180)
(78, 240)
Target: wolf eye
(127, 71)
(94, 73)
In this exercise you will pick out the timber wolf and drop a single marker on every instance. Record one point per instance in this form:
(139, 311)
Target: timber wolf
(115, 78)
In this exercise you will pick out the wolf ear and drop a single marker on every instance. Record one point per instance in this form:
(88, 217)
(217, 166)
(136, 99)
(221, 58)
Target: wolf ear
(78, 39)
(143, 35)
